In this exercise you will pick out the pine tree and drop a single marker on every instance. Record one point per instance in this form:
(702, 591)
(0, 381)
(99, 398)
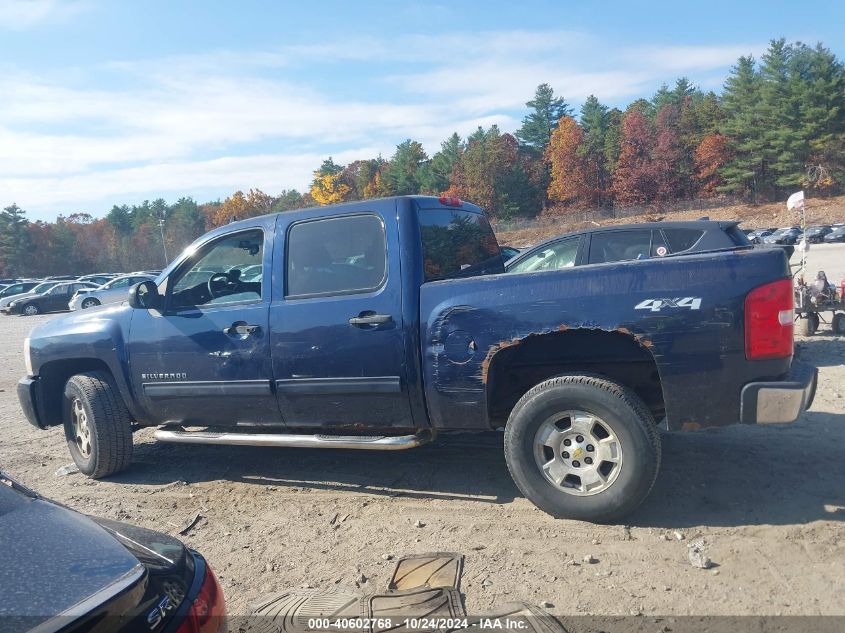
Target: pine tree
(14, 241)
(434, 177)
(744, 173)
(822, 113)
(546, 111)
(594, 123)
(403, 169)
(784, 148)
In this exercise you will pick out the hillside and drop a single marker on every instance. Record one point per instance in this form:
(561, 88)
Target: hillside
(819, 211)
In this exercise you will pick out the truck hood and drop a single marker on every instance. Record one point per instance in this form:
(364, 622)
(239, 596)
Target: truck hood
(80, 321)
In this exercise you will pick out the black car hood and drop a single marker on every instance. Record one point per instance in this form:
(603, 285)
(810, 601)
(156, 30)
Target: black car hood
(59, 565)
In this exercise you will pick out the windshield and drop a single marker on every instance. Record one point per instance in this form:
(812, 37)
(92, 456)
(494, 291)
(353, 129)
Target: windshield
(43, 287)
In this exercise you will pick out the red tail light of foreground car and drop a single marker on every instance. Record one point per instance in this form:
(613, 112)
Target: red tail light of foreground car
(208, 611)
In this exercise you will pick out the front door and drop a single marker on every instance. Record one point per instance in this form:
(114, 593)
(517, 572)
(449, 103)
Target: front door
(337, 335)
(204, 358)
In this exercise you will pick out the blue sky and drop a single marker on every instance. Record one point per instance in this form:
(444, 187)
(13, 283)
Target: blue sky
(113, 101)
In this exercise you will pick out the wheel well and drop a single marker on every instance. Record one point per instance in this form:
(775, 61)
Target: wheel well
(515, 369)
(54, 376)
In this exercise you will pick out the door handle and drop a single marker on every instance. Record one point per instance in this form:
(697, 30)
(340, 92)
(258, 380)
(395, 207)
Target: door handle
(242, 329)
(370, 318)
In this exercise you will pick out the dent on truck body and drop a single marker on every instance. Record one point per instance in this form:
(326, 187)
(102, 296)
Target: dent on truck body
(679, 356)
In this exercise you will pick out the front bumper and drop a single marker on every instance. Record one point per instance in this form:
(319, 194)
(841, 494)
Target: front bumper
(779, 401)
(32, 402)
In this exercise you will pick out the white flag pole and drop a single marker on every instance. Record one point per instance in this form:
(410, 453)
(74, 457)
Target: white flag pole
(796, 201)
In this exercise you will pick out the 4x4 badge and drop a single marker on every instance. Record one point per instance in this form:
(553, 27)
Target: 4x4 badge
(656, 305)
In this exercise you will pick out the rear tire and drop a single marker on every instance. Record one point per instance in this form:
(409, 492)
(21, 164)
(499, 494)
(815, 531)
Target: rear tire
(838, 324)
(89, 303)
(571, 403)
(97, 425)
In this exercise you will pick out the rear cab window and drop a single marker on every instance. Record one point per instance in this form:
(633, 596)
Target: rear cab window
(458, 243)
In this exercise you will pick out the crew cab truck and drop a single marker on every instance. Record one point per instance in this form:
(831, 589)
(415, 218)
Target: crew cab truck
(377, 324)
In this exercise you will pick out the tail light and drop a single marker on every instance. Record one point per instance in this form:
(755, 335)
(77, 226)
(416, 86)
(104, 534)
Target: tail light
(451, 201)
(769, 317)
(208, 611)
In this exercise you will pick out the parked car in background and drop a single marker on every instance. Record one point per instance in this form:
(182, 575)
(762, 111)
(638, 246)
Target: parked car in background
(757, 235)
(53, 300)
(113, 291)
(9, 280)
(624, 242)
(44, 286)
(66, 571)
(815, 234)
(62, 278)
(99, 279)
(786, 235)
(836, 235)
(17, 288)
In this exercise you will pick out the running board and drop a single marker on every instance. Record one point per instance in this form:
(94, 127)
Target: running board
(363, 442)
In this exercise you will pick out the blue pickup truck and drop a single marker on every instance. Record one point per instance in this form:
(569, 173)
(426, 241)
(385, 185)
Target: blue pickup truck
(378, 324)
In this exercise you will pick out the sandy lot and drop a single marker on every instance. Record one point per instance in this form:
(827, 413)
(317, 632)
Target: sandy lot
(769, 501)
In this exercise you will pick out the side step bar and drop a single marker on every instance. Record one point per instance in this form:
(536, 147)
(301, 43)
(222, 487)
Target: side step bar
(363, 442)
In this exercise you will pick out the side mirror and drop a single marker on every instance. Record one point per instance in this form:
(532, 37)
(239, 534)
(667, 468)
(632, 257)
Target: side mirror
(144, 296)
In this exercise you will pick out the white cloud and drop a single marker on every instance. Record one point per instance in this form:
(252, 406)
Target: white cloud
(184, 124)
(19, 15)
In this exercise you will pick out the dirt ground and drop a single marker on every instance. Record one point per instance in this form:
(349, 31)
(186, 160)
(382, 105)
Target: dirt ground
(769, 502)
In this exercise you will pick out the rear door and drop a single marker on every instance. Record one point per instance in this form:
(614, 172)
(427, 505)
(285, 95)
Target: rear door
(337, 335)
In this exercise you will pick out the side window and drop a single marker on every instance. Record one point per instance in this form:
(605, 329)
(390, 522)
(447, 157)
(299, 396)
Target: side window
(620, 246)
(682, 239)
(120, 283)
(659, 247)
(213, 275)
(558, 255)
(58, 290)
(342, 255)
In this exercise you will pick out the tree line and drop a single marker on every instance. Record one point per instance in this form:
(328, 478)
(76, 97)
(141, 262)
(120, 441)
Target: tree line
(778, 125)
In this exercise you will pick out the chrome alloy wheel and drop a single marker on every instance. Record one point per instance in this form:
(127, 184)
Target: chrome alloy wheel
(30, 310)
(81, 430)
(578, 453)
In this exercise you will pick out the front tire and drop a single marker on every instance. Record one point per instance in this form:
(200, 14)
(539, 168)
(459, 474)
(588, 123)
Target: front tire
(31, 310)
(97, 425)
(583, 447)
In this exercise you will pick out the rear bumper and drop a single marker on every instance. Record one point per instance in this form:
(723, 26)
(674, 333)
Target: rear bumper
(31, 399)
(779, 401)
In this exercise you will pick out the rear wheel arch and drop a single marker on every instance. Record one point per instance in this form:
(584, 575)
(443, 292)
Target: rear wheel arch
(516, 368)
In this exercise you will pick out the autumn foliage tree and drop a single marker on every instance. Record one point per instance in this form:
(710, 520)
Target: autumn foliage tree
(569, 183)
(634, 181)
(711, 154)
